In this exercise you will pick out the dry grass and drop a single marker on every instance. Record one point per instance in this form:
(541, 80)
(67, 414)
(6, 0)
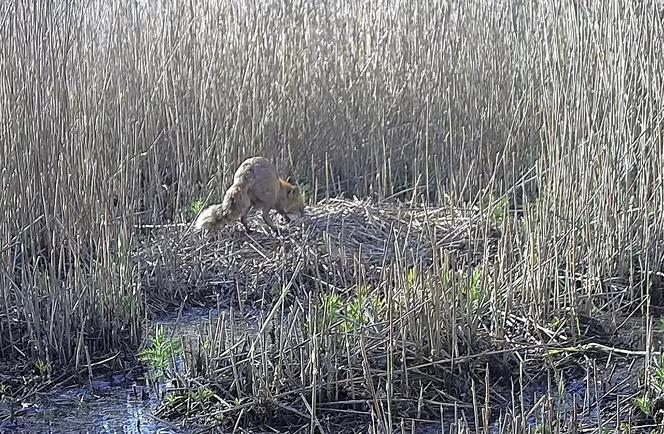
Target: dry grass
(340, 244)
(114, 115)
(370, 312)
(345, 274)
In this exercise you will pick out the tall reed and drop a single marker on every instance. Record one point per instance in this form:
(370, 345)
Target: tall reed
(116, 114)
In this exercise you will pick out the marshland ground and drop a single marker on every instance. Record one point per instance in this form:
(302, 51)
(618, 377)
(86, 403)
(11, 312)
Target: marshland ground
(484, 236)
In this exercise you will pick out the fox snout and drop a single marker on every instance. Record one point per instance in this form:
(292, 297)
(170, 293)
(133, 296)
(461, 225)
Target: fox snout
(294, 210)
(295, 214)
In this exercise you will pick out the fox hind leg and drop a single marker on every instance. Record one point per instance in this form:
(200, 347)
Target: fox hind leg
(243, 220)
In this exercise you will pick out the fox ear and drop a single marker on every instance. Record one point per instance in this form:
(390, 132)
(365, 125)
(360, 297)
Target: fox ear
(290, 180)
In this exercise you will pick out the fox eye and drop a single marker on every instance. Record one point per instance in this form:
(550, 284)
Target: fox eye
(294, 191)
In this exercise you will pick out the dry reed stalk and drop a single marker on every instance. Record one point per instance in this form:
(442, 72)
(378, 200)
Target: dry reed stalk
(115, 115)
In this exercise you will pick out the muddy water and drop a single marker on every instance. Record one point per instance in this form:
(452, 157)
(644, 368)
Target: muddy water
(112, 409)
(115, 404)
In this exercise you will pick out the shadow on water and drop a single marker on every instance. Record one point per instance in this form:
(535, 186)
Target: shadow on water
(589, 404)
(114, 407)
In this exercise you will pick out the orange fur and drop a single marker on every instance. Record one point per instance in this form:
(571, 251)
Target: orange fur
(255, 185)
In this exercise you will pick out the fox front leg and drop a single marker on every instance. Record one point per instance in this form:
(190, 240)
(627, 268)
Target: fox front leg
(269, 221)
(244, 222)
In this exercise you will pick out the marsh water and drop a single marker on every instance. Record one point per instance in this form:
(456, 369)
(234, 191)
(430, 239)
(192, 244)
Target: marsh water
(124, 403)
(119, 403)
(114, 408)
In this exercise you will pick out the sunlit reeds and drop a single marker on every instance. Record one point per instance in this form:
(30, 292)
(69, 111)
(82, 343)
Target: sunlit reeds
(540, 122)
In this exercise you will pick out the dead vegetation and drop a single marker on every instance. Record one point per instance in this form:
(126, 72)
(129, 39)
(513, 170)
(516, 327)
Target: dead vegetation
(379, 314)
(524, 137)
(337, 244)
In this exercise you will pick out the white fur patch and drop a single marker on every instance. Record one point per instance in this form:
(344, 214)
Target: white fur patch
(208, 218)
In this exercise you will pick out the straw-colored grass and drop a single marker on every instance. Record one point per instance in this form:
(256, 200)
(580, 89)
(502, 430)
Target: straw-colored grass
(541, 121)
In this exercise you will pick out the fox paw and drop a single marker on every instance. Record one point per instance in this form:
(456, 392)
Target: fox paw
(280, 232)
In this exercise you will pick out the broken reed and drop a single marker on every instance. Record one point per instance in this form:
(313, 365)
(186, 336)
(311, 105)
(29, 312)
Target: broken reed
(116, 113)
(370, 302)
(375, 315)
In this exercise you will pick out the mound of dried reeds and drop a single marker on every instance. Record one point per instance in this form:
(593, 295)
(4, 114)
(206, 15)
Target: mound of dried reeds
(358, 313)
(366, 312)
(337, 241)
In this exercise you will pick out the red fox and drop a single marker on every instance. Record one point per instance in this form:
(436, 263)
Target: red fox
(255, 184)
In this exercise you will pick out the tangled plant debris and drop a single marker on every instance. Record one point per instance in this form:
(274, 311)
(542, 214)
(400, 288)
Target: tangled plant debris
(502, 269)
(371, 312)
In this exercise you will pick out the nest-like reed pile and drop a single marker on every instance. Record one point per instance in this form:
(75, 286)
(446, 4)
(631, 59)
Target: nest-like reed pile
(337, 241)
(348, 290)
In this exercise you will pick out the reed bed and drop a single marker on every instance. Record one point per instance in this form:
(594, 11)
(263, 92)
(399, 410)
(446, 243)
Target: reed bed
(376, 314)
(520, 139)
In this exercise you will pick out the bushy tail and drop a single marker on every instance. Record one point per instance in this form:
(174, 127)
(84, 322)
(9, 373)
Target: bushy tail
(210, 218)
(235, 204)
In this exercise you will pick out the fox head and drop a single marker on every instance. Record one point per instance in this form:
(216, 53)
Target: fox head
(294, 203)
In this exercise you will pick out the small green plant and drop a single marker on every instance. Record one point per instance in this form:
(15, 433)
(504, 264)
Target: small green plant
(356, 307)
(625, 428)
(332, 305)
(159, 356)
(356, 314)
(644, 404)
(42, 368)
(659, 375)
(172, 399)
(473, 289)
(496, 206)
(346, 315)
(364, 308)
(500, 210)
(411, 277)
(379, 306)
(195, 207)
(202, 395)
